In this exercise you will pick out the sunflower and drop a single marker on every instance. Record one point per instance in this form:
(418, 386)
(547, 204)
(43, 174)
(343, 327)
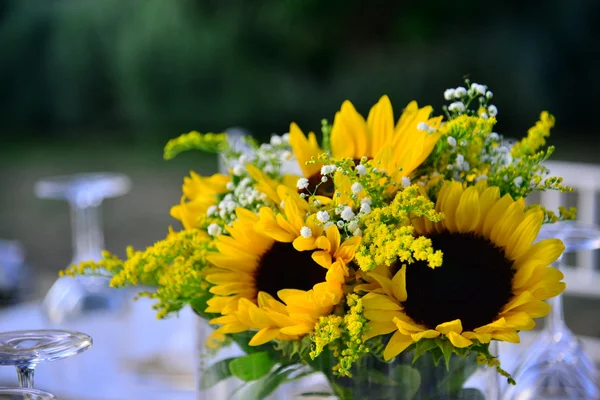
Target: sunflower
(277, 272)
(492, 283)
(199, 193)
(402, 146)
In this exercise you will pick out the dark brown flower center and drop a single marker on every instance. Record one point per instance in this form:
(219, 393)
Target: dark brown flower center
(473, 284)
(283, 267)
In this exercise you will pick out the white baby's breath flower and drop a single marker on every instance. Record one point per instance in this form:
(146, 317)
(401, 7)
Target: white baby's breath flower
(451, 141)
(484, 116)
(518, 181)
(276, 140)
(243, 160)
(405, 181)
(460, 92)
(457, 106)
(328, 169)
(214, 230)
(492, 110)
(286, 155)
(305, 232)
(347, 214)
(268, 169)
(493, 136)
(366, 200)
(356, 187)
(361, 169)
(460, 159)
(422, 126)
(323, 216)
(340, 224)
(365, 208)
(481, 178)
(302, 183)
(323, 179)
(479, 89)
(352, 226)
(223, 213)
(449, 94)
(489, 95)
(211, 210)
(285, 137)
(230, 186)
(357, 232)
(238, 170)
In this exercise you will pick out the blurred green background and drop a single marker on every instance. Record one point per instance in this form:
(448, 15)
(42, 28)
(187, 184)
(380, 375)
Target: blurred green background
(100, 85)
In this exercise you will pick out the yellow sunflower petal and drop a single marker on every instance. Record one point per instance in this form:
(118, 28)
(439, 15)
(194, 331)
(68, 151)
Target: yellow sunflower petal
(301, 329)
(399, 284)
(397, 344)
(451, 326)
(379, 328)
(509, 335)
(380, 302)
(547, 251)
(458, 340)
(381, 123)
(428, 334)
(263, 336)
(304, 150)
(467, 212)
(494, 215)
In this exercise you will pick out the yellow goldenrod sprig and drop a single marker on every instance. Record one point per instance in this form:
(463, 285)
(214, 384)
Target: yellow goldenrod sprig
(536, 136)
(388, 235)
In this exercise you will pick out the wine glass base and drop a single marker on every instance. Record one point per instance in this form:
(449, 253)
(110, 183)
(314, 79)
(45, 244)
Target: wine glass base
(23, 348)
(24, 394)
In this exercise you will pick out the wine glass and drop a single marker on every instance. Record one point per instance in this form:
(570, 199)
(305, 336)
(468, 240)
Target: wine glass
(556, 366)
(26, 349)
(24, 394)
(71, 297)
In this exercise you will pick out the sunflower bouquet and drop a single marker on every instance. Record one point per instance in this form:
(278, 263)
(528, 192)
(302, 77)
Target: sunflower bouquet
(388, 256)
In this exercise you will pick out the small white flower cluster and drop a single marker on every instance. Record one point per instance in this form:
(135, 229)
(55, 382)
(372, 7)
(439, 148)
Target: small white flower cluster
(268, 157)
(462, 98)
(424, 127)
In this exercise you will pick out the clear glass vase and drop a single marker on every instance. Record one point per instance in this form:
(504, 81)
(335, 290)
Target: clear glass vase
(372, 378)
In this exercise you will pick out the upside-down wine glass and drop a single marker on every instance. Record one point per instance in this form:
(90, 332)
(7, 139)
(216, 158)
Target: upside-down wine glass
(70, 297)
(555, 366)
(24, 394)
(26, 349)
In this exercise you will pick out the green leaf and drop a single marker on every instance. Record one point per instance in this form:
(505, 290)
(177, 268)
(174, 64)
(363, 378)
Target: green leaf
(215, 373)
(423, 346)
(199, 305)
(460, 371)
(262, 388)
(447, 349)
(372, 376)
(253, 366)
(437, 355)
(408, 380)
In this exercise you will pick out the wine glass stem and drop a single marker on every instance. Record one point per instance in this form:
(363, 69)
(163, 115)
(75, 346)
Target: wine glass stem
(25, 374)
(88, 240)
(556, 319)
